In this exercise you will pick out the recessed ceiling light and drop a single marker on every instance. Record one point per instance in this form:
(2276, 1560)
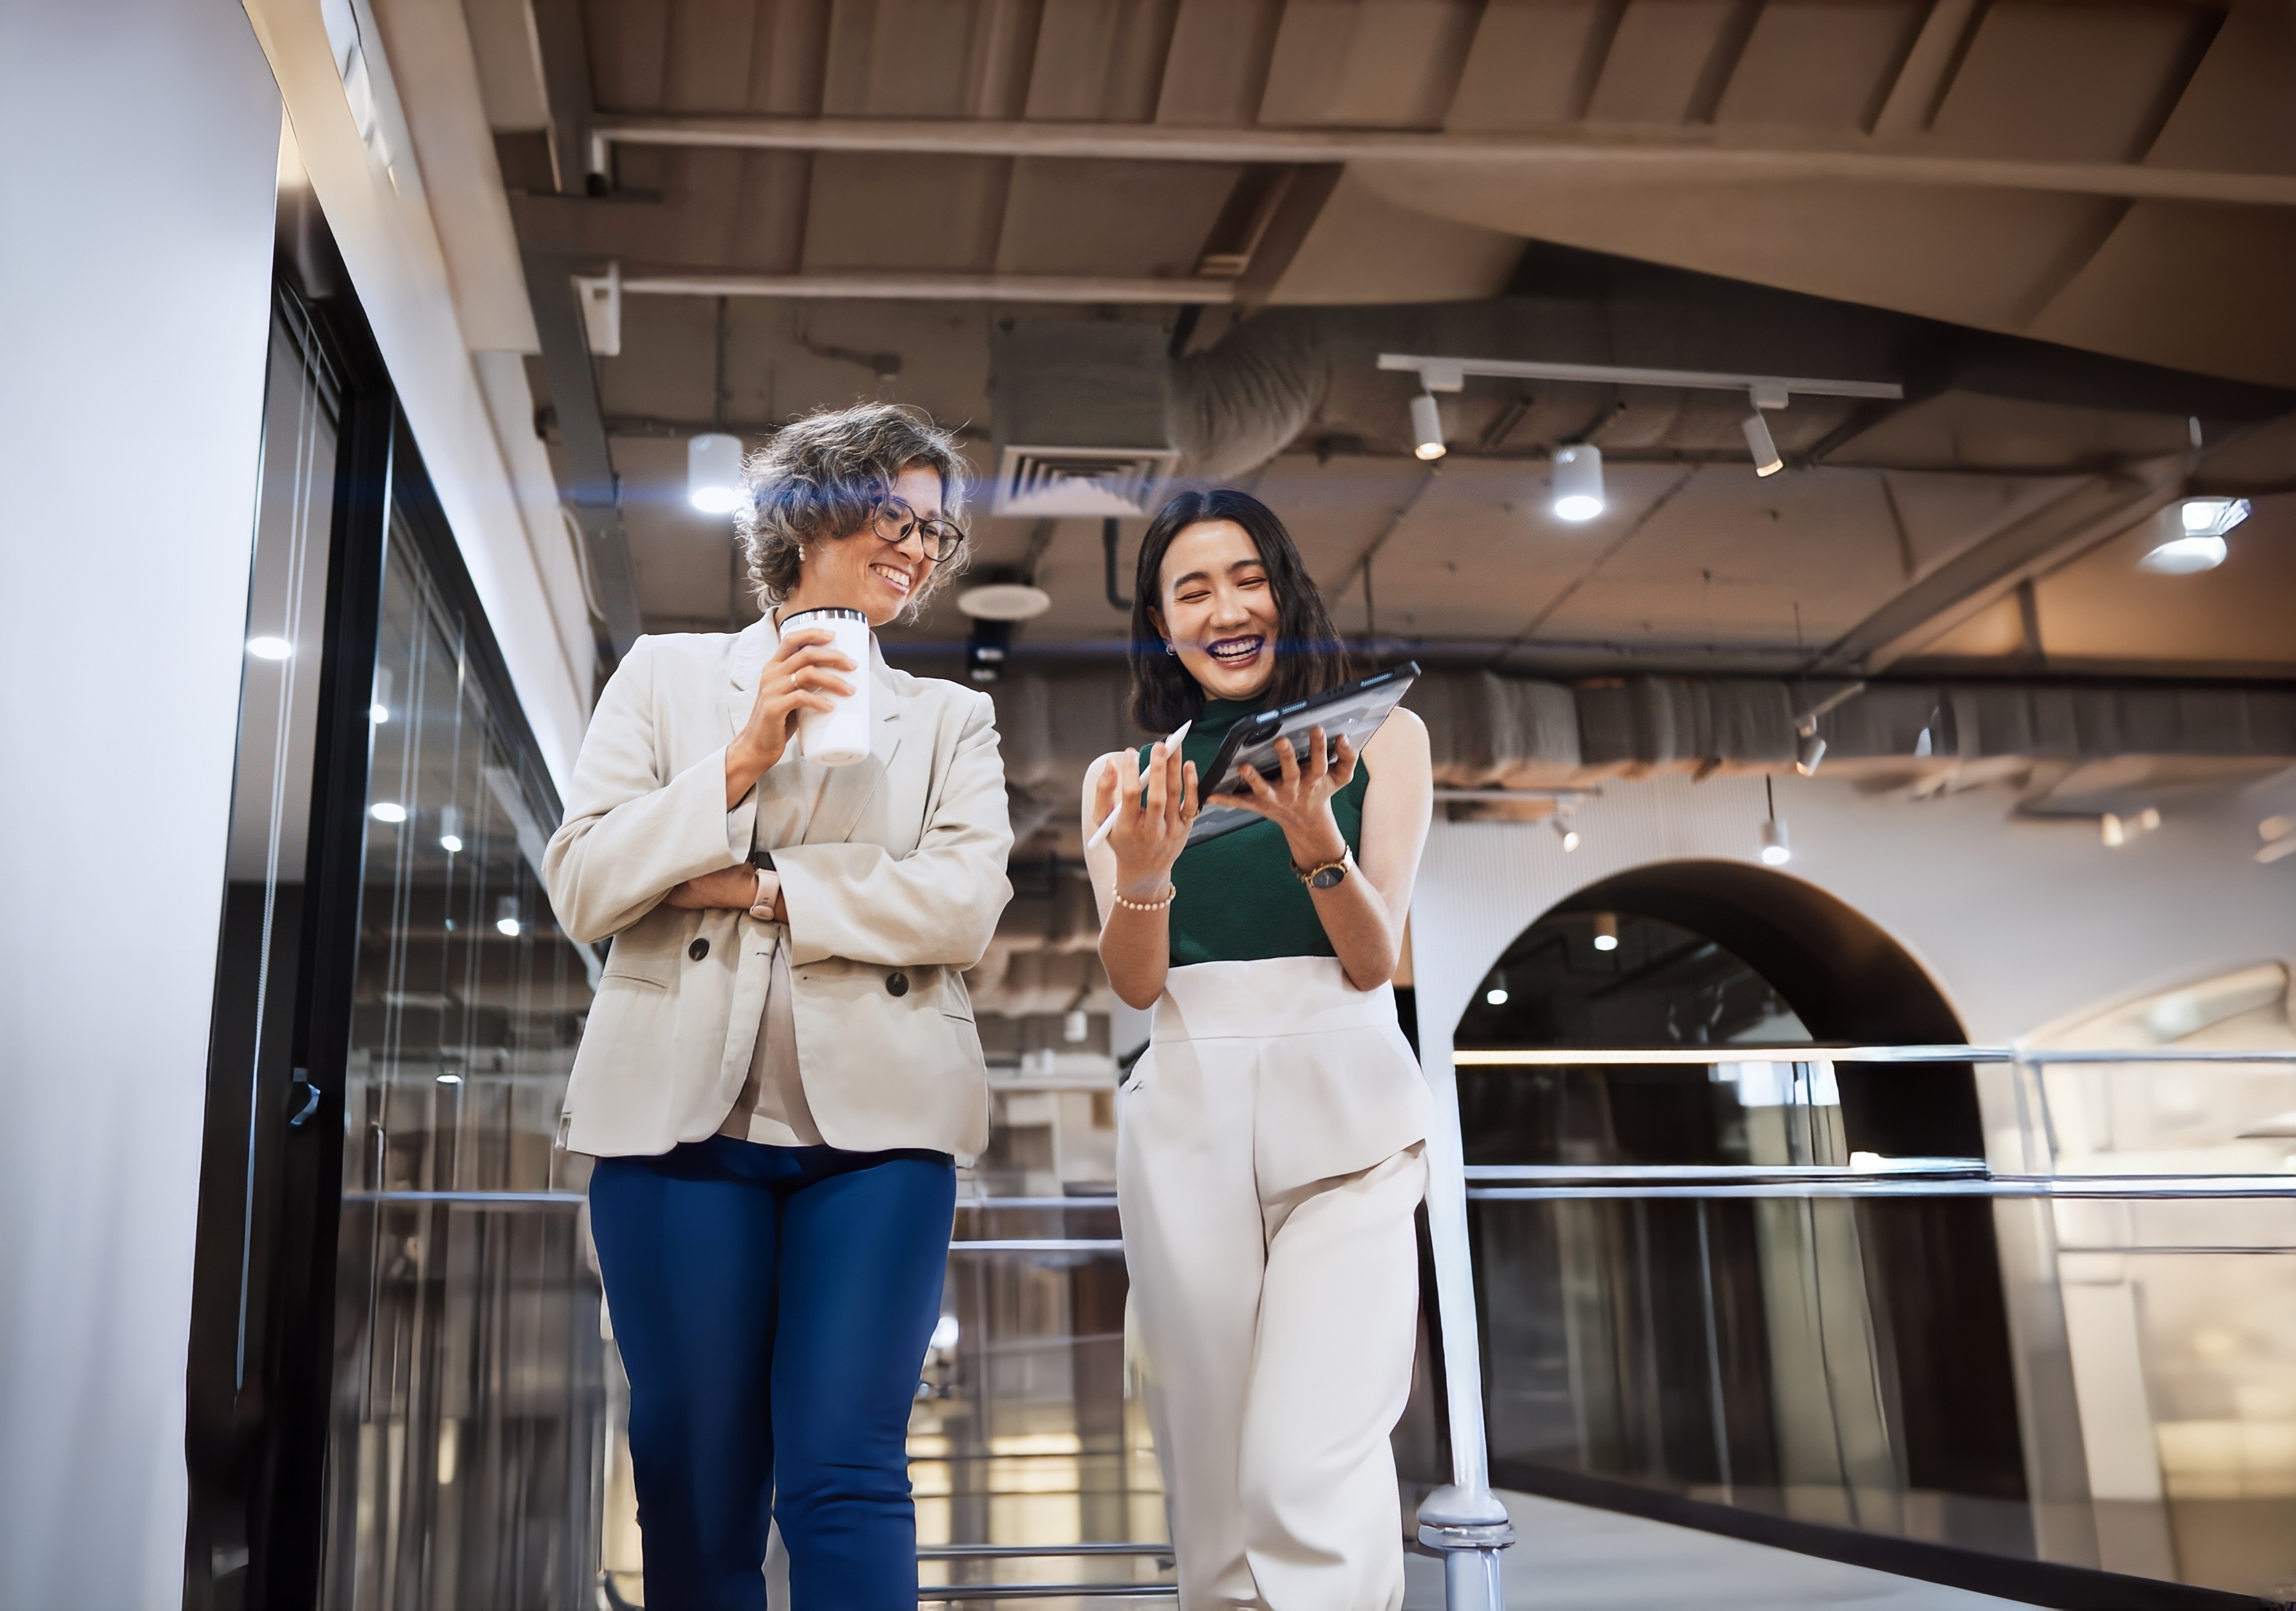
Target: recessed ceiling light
(270, 648)
(1004, 601)
(1496, 996)
(387, 810)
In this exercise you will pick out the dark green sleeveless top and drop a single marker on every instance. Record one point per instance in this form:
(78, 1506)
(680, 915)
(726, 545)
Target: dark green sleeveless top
(1239, 899)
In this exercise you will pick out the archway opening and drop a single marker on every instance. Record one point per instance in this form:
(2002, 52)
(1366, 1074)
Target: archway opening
(1838, 1361)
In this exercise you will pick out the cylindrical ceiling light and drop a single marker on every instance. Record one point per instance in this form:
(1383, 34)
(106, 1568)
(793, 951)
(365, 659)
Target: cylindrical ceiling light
(1427, 427)
(1775, 851)
(1767, 461)
(1606, 931)
(1577, 482)
(1809, 750)
(713, 473)
(2197, 540)
(1563, 831)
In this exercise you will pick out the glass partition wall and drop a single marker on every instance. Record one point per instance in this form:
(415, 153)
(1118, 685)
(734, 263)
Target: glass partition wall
(465, 1446)
(396, 1377)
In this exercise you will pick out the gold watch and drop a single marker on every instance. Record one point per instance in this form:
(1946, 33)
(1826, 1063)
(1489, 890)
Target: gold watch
(1328, 876)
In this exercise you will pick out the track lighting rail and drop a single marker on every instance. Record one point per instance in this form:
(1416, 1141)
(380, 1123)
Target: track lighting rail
(1768, 390)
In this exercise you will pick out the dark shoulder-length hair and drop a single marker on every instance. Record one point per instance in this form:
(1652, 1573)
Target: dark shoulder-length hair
(1309, 657)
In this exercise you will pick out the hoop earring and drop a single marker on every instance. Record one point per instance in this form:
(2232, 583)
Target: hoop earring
(1168, 649)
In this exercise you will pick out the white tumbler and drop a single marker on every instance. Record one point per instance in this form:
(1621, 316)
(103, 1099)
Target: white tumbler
(839, 736)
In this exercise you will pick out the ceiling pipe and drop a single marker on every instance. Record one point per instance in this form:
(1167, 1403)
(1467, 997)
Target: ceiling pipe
(924, 287)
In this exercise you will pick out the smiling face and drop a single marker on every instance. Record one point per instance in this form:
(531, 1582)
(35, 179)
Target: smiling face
(861, 570)
(1216, 606)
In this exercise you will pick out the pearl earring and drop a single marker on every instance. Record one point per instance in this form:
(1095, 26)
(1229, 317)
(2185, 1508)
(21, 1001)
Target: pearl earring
(800, 553)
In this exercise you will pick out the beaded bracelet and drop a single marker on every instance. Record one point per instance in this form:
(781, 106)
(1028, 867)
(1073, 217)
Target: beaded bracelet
(1172, 892)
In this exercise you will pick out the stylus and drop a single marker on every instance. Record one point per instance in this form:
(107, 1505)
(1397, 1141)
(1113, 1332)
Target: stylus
(1108, 823)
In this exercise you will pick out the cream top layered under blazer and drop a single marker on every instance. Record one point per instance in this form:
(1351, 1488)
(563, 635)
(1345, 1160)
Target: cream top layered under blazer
(893, 890)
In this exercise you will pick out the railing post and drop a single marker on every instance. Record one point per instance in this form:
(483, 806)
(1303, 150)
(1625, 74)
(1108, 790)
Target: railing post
(1465, 1521)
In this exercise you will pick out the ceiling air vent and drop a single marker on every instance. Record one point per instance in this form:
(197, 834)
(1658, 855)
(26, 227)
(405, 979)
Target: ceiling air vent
(1079, 409)
(1051, 482)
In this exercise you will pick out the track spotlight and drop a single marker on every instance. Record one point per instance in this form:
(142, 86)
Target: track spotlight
(2199, 543)
(1577, 482)
(1427, 427)
(1606, 931)
(713, 473)
(1809, 750)
(1767, 461)
(507, 915)
(1775, 851)
(450, 829)
(1563, 831)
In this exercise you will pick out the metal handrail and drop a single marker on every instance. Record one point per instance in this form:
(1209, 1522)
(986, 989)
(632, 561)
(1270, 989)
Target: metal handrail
(1708, 1056)
(1041, 1245)
(1464, 1520)
(968, 1552)
(969, 1591)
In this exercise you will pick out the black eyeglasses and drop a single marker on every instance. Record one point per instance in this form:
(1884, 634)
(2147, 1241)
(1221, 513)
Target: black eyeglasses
(895, 520)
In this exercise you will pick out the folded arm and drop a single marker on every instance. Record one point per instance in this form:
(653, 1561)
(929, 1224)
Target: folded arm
(631, 835)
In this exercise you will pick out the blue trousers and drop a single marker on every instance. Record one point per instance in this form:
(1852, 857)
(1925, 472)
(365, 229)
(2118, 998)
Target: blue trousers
(773, 1305)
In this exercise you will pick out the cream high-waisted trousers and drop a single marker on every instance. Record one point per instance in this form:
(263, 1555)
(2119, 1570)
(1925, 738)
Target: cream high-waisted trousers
(1268, 1167)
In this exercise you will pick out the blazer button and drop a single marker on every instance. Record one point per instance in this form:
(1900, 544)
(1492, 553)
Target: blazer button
(698, 949)
(896, 985)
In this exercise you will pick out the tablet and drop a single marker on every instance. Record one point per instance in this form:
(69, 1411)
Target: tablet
(1354, 712)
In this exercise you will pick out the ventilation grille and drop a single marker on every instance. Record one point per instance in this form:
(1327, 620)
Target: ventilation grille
(1051, 482)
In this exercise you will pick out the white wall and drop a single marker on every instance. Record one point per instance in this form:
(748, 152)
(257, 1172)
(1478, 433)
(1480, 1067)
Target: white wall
(137, 278)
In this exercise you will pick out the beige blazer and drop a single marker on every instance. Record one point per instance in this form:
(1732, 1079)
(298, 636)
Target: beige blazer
(893, 890)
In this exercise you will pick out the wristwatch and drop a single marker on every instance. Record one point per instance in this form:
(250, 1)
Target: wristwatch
(1328, 876)
(770, 886)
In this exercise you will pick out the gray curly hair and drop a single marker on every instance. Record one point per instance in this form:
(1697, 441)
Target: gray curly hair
(822, 478)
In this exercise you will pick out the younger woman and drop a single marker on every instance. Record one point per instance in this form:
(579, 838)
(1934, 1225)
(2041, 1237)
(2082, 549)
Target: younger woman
(1268, 1159)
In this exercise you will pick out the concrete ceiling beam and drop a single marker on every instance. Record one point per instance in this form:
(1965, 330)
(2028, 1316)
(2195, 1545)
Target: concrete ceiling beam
(1699, 159)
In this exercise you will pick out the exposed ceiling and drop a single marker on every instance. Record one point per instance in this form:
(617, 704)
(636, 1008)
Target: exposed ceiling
(2066, 228)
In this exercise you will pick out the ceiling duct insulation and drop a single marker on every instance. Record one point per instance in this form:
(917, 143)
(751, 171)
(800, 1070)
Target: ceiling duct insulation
(1654, 722)
(1288, 372)
(1496, 732)
(1077, 417)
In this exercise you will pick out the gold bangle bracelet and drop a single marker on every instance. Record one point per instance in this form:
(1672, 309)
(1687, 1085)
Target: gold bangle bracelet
(1172, 892)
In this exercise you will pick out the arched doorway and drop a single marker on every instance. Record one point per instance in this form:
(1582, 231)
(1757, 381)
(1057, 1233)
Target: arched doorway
(1840, 1361)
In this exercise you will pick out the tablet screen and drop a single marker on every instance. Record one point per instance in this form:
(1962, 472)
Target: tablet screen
(1353, 712)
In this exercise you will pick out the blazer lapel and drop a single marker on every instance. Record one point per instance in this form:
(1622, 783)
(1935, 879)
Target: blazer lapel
(751, 649)
(847, 794)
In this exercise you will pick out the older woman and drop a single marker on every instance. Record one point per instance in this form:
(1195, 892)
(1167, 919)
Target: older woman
(782, 1058)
